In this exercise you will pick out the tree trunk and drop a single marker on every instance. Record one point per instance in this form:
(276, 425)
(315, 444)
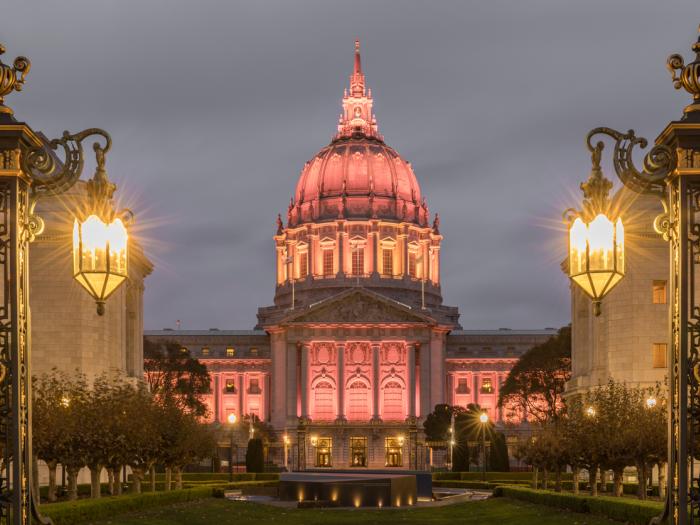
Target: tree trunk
(72, 482)
(110, 481)
(51, 496)
(118, 482)
(168, 477)
(95, 486)
(593, 479)
(662, 481)
(557, 479)
(617, 482)
(535, 472)
(137, 474)
(575, 475)
(641, 480)
(545, 479)
(178, 478)
(153, 478)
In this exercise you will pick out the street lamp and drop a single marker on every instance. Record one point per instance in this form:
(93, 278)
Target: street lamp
(29, 170)
(483, 419)
(651, 402)
(671, 172)
(596, 260)
(231, 422)
(590, 411)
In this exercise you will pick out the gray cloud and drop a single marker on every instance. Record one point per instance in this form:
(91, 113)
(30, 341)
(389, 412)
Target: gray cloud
(214, 106)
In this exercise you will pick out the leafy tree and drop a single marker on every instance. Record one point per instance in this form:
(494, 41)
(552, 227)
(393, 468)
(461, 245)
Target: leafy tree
(254, 456)
(535, 385)
(174, 376)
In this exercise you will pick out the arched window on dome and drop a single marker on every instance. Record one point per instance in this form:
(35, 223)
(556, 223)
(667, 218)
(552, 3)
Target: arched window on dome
(393, 409)
(358, 401)
(303, 264)
(358, 260)
(387, 262)
(328, 270)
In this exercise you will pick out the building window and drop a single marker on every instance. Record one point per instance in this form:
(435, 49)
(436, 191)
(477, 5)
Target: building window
(658, 355)
(253, 352)
(412, 272)
(230, 387)
(205, 351)
(394, 452)
(658, 294)
(358, 261)
(462, 386)
(324, 452)
(184, 350)
(303, 265)
(328, 263)
(393, 402)
(230, 351)
(254, 386)
(358, 451)
(323, 402)
(358, 402)
(388, 262)
(486, 386)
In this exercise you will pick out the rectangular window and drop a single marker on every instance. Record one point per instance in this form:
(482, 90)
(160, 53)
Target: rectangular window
(394, 452)
(462, 386)
(486, 386)
(303, 265)
(254, 386)
(230, 387)
(230, 351)
(328, 263)
(658, 355)
(253, 352)
(412, 272)
(205, 351)
(658, 294)
(388, 262)
(184, 350)
(358, 451)
(358, 261)
(324, 452)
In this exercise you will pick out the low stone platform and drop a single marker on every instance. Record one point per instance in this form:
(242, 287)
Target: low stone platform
(348, 489)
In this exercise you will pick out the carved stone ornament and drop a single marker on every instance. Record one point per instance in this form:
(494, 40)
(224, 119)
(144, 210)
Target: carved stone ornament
(359, 308)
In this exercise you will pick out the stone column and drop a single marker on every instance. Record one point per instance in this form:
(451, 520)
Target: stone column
(499, 411)
(291, 387)
(279, 405)
(241, 393)
(477, 385)
(217, 397)
(437, 367)
(340, 242)
(375, 382)
(450, 394)
(411, 364)
(341, 382)
(424, 358)
(304, 383)
(267, 396)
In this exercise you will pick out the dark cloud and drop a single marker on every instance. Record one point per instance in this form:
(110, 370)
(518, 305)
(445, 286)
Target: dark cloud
(214, 106)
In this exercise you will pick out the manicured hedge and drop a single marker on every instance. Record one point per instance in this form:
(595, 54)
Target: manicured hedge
(487, 485)
(493, 476)
(620, 509)
(90, 510)
(219, 476)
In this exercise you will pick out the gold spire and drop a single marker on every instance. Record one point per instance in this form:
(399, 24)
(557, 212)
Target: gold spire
(688, 76)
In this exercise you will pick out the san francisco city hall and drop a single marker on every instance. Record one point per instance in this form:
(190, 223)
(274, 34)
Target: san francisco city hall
(358, 346)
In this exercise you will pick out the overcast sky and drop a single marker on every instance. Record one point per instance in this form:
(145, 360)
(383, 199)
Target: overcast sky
(215, 106)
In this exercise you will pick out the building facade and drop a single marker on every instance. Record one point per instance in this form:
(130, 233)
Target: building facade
(358, 346)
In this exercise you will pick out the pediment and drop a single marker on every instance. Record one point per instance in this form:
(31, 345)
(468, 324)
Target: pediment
(359, 306)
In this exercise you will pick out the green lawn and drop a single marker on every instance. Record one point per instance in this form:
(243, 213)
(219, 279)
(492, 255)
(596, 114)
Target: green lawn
(222, 512)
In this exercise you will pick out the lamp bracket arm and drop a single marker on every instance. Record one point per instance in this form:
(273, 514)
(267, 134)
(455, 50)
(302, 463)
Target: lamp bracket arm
(52, 175)
(658, 164)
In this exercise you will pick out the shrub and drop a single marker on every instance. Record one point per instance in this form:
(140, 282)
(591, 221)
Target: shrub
(254, 456)
(620, 509)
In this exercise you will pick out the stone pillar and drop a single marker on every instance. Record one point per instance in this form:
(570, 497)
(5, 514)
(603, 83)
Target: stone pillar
(217, 398)
(477, 385)
(341, 383)
(304, 383)
(450, 393)
(437, 367)
(241, 394)
(279, 405)
(291, 391)
(499, 411)
(375, 382)
(411, 364)
(424, 358)
(340, 242)
(267, 396)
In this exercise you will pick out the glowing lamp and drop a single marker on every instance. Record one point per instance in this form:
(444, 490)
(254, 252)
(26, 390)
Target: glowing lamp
(590, 412)
(651, 402)
(596, 256)
(484, 417)
(99, 256)
(231, 419)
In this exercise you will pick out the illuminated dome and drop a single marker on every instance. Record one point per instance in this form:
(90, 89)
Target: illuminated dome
(357, 176)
